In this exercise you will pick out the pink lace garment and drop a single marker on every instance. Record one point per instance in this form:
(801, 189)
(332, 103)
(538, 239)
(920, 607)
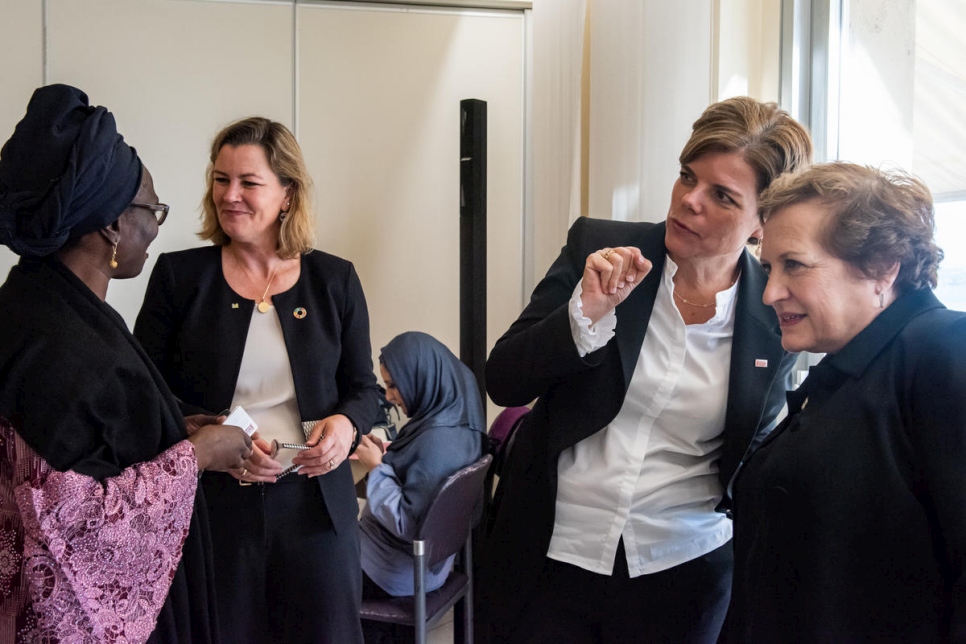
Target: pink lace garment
(88, 561)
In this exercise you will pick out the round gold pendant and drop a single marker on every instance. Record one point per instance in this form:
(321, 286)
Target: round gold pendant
(264, 306)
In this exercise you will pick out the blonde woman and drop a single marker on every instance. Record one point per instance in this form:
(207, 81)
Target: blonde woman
(262, 321)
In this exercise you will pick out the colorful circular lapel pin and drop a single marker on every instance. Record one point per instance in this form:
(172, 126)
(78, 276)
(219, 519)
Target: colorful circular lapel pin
(299, 313)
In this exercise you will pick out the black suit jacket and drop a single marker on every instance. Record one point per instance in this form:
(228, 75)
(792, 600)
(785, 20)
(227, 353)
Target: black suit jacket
(851, 517)
(194, 327)
(577, 397)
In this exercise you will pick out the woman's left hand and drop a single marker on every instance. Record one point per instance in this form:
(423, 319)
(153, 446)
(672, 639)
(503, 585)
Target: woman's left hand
(370, 452)
(331, 439)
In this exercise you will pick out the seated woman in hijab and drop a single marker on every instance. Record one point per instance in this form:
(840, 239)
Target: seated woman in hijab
(101, 537)
(444, 434)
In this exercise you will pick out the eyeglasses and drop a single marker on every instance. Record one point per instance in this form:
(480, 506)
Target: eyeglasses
(160, 210)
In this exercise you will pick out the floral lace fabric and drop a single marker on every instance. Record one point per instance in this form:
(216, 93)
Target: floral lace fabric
(83, 560)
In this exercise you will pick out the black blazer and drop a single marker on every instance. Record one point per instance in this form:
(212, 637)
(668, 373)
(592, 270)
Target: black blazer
(194, 327)
(851, 517)
(577, 397)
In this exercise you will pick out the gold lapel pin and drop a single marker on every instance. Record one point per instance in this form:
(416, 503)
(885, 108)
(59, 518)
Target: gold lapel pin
(234, 305)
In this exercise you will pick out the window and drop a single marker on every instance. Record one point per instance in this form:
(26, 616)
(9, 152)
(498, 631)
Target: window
(951, 237)
(939, 134)
(884, 84)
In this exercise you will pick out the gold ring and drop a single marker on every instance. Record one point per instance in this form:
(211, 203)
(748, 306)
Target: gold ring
(244, 472)
(608, 253)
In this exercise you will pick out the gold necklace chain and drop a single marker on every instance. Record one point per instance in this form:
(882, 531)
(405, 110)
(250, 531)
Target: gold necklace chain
(689, 302)
(262, 305)
(703, 306)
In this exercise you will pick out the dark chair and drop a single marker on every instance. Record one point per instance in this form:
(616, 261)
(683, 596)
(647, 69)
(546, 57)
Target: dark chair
(502, 432)
(443, 530)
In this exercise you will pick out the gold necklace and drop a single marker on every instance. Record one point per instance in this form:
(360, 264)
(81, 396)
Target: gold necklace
(686, 301)
(703, 306)
(263, 306)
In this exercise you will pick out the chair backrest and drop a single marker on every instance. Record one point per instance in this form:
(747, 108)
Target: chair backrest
(503, 426)
(450, 516)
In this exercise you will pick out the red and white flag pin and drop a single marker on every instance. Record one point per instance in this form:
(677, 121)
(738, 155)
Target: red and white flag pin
(760, 362)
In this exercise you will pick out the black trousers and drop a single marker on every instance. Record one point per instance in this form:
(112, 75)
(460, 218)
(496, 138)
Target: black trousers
(683, 605)
(282, 573)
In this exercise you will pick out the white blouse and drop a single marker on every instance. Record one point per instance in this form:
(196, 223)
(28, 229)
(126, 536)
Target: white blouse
(265, 387)
(651, 475)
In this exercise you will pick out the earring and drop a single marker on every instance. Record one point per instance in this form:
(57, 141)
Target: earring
(113, 262)
(756, 242)
(881, 300)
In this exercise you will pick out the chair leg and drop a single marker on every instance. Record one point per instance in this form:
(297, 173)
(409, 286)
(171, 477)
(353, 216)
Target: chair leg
(459, 621)
(468, 599)
(419, 597)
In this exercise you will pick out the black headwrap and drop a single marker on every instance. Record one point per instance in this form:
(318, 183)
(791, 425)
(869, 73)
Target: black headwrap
(64, 173)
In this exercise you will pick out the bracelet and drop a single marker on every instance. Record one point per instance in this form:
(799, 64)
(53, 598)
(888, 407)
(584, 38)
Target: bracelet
(356, 438)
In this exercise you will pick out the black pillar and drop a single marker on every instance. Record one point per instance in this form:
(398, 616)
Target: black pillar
(473, 238)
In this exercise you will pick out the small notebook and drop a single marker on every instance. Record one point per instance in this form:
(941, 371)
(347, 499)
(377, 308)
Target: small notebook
(291, 468)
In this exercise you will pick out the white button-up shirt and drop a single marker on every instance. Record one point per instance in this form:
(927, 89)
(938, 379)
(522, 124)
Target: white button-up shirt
(651, 475)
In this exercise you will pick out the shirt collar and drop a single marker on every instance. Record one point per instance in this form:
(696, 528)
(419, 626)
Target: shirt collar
(859, 352)
(724, 300)
(852, 361)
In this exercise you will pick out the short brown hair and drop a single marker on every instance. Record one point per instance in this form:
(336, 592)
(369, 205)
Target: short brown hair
(876, 218)
(284, 155)
(769, 140)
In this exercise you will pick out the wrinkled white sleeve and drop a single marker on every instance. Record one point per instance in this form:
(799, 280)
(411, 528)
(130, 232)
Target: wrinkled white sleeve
(589, 337)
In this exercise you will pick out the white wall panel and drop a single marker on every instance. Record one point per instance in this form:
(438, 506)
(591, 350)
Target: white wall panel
(173, 72)
(379, 123)
(651, 77)
(22, 50)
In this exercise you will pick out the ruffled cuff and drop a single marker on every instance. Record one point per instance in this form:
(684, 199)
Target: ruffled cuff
(589, 337)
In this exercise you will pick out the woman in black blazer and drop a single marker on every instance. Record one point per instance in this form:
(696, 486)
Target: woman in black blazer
(850, 520)
(263, 321)
(607, 528)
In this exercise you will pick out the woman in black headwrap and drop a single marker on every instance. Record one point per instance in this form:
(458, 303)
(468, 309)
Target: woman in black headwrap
(100, 535)
(444, 434)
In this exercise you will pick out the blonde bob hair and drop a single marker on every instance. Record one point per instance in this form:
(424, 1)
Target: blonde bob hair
(876, 218)
(767, 137)
(297, 229)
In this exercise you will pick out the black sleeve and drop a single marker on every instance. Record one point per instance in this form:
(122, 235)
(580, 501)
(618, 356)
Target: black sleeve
(538, 349)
